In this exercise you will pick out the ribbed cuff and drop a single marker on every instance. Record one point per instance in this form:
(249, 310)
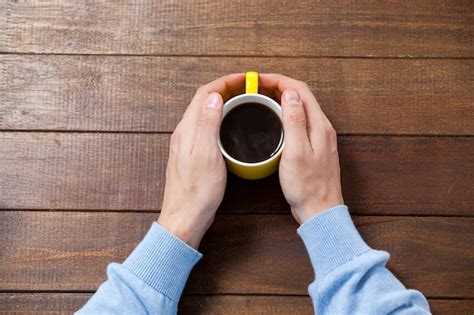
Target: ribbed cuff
(331, 239)
(163, 262)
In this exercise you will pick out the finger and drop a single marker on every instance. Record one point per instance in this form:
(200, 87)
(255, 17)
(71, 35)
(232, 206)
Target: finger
(281, 83)
(227, 86)
(188, 123)
(314, 114)
(209, 121)
(294, 123)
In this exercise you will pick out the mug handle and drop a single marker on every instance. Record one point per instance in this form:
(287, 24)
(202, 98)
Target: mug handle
(251, 82)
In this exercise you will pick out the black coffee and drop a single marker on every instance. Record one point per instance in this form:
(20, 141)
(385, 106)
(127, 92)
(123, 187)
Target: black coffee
(251, 133)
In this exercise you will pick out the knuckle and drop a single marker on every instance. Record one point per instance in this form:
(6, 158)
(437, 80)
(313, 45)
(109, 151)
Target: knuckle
(202, 88)
(193, 188)
(303, 85)
(330, 131)
(332, 135)
(300, 162)
(319, 154)
(297, 157)
(329, 128)
(206, 119)
(174, 143)
(173, 150)
(297, 117)
(174, 138)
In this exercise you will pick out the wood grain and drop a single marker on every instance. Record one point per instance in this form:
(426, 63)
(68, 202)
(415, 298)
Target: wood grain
(454, 307)
(360, 96)
(41, 303)
(243, 254)
(248, 304)
(66, 303)
(290, 305)
(419, 28)
(380, 175)
(65, 69)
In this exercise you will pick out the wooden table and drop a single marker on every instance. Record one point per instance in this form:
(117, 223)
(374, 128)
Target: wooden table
(90, 92)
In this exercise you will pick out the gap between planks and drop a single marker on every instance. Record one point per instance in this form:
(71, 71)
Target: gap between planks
(464, 298)
(231, 212)
(400, 135)
(19, 53)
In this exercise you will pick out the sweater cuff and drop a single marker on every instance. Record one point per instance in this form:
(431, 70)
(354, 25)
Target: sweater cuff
(331, 239)
(163, 262)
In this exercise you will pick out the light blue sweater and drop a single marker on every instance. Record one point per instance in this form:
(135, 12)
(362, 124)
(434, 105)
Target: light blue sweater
(351, 277)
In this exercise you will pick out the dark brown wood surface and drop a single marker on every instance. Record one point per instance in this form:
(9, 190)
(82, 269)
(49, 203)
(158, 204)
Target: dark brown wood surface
(243, 253)
(380, 175)
(360, 96)
(90, 91)
(422, 28)
(66, 303)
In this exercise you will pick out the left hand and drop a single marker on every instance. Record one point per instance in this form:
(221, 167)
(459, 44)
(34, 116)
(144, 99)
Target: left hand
(196, 173)
(309, 167)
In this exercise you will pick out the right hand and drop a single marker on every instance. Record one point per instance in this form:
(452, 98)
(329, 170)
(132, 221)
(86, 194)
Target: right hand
(309, 167)
(196, 173)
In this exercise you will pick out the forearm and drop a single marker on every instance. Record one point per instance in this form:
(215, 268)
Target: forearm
(150, 281)
(352, 277)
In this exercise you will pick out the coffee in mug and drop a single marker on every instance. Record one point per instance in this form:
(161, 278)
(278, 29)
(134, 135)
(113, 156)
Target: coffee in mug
(251, 136)
(251, 132)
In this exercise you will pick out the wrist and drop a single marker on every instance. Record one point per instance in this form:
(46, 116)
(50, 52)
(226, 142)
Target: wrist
(309, 210)
(184, 227)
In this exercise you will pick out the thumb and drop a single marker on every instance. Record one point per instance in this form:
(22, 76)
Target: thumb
(294, 122)
(209, 119)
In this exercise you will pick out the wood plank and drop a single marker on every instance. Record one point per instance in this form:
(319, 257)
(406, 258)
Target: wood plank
(248, 304)
(41, 303)
(225, 304)
(66, 303)
(360, 96)
(380, 175)
(421, 28)
(243, 254)
(454, 307)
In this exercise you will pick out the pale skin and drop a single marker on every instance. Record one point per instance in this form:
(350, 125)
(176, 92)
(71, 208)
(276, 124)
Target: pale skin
(196, 174)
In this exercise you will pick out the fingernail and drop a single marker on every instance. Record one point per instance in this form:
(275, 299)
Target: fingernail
(292, 97)
(213, 100)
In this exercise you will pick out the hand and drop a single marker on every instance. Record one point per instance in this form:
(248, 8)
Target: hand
(309, 166)
(196, 173)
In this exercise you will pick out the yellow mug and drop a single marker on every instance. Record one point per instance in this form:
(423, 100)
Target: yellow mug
(260, 169)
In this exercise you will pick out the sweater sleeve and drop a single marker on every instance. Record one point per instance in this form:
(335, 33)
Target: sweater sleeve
(351, 278)
(150, 281)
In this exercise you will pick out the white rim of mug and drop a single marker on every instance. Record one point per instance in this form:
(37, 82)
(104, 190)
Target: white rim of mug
(256, 98)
